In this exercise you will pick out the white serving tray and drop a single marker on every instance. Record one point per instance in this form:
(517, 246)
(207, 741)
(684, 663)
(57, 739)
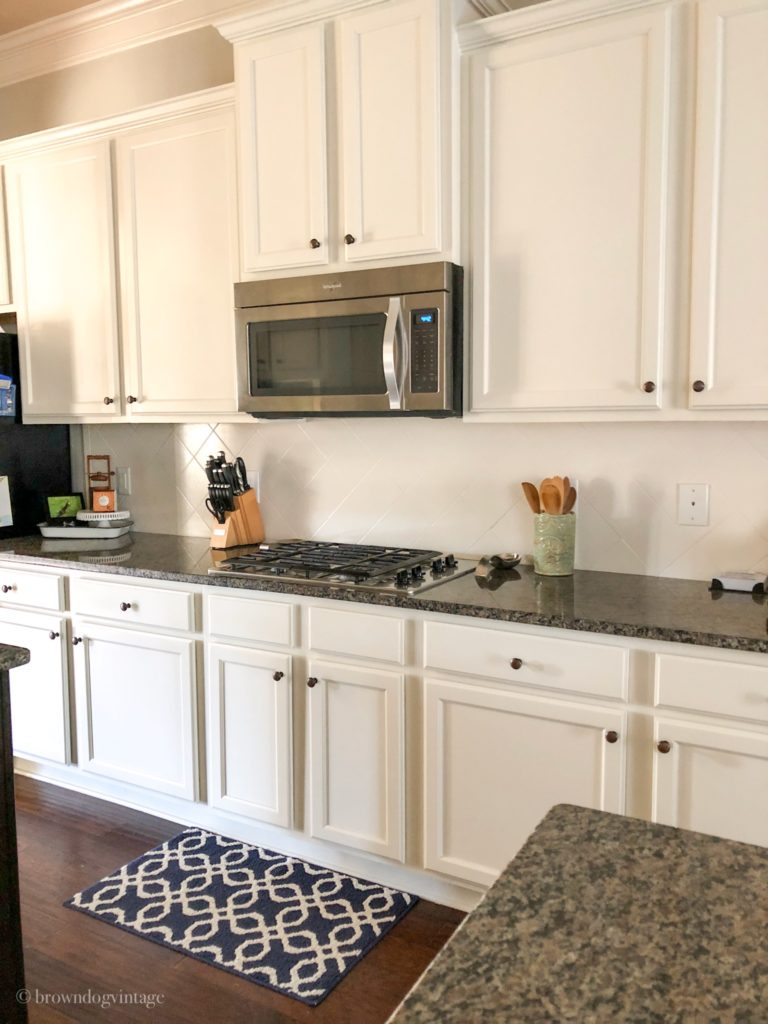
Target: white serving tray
(93, 533)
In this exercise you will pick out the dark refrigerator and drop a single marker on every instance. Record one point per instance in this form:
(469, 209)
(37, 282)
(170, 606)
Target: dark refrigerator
(35, 459)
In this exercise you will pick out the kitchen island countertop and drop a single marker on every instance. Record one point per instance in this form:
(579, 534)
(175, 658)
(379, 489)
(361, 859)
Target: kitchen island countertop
(12, 657)
(606, 918)
(618, 604)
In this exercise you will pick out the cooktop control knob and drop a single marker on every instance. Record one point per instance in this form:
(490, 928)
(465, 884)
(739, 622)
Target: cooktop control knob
(402, 578)
(438, 566)
(450, 561)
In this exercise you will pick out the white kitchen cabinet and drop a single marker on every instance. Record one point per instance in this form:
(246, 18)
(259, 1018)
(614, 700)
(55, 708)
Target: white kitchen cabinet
(136, 707)
(39, 689)
(347, 166)
(729, 314)
(6, 296)
(63, 264)
(568, 130)
(711, 777)
(249, 723)
(177, 217)
(356, 757)
(498, 760)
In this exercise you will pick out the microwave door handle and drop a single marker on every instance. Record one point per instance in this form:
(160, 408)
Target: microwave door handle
(393, 328)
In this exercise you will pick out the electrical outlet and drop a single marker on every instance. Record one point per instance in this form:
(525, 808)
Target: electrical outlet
(123, 480)
(693, 504)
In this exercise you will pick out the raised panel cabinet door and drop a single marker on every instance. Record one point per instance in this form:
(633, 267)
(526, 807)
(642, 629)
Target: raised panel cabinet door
(280, 88)
(63, 263)
(39, 689)
(136, 707)
(390, 130)
(5, 270)
(729, 313)
(249, 733)
(569, 134)
(356, 757)
(711, 779)
(177, 210)
(497, 761)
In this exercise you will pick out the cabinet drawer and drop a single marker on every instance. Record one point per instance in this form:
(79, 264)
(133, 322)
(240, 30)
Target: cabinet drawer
(146, 606)
(592, 669)
(357, 634)
(36, 589)
(251, 619)
(714, 686)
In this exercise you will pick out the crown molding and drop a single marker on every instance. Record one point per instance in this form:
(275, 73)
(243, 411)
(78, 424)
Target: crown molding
(282, 15)
(539, 17)
(207, 101)
(104, 28)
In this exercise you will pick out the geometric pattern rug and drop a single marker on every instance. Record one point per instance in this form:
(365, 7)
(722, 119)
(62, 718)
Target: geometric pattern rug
(294, 927)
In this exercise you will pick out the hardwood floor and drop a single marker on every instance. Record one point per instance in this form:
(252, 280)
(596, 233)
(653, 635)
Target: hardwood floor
(67, 841)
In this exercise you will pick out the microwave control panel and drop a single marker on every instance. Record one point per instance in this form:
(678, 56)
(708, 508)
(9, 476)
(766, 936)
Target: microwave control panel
(424, 351)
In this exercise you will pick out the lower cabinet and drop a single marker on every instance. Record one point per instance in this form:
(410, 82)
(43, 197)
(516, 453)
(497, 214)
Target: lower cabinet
(712, 779)
(498, 760)
(136, 707)
(356, 757)
(39, 689)
(249, 722)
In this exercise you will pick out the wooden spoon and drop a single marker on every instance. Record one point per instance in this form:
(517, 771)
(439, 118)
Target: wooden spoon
(562, 489)
(570, 500)
(532, 497)
(550, 498)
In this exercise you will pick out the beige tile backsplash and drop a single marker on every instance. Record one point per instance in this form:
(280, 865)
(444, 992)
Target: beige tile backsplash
(456, 486)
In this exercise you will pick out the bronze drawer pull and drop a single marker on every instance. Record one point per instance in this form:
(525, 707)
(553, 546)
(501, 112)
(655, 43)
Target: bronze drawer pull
(664, 747)
(312, 681)
(278, 676)
(611, 736)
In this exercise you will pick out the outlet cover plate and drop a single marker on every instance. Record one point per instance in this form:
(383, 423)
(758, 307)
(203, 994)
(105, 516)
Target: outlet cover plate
(693, 504)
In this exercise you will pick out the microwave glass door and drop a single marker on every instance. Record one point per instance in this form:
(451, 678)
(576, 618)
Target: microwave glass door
(324, 355)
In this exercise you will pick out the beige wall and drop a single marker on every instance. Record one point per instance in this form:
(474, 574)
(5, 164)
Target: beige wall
(112, 85)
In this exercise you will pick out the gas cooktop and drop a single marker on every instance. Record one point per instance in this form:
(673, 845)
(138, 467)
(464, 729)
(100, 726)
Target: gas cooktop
(354, 566)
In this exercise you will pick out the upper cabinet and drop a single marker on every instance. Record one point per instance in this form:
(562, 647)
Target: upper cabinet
(729, 315)
(568, 137)
(6, 297)
(61, 229)
(341, 136)
(153, 339)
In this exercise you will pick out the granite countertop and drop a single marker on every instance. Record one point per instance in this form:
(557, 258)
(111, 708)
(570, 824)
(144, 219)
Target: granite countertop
(651, 607)
(12, 657)
(607, 918)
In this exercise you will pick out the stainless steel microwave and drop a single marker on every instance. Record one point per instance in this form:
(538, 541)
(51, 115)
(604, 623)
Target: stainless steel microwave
(362, 342)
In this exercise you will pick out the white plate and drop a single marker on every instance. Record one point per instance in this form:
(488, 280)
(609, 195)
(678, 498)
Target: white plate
(93, 533)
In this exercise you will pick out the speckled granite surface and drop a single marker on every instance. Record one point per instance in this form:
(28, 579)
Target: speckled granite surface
(607, 918)
(12, 657)
(655, 608)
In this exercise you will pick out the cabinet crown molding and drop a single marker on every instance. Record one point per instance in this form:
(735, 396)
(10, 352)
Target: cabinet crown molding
(539, 17)
(285, 15)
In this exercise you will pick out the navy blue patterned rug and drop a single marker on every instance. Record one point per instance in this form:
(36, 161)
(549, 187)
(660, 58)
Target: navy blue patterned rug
(281, 922)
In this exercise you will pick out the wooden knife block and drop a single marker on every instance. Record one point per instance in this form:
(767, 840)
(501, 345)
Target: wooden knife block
(243, 526)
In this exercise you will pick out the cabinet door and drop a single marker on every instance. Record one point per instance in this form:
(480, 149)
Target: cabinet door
(39, 689)
(5, 270)
(62, 247)
(249, 733)
(356, 757)
(729, 315)
(390, 124)
(136, 708)
(177, 209)
(711, 779)
(497, 761)
(569, 132)
(280, 83)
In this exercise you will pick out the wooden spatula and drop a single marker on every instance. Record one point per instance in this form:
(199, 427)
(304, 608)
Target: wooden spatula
(532, 497)
(570, 500)
(550, 497)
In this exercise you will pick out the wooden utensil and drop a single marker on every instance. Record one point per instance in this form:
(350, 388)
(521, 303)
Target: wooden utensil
(550, 497)
(570, 500)
(532, 497)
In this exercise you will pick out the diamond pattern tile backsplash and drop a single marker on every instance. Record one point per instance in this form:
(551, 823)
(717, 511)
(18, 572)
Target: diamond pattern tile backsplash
(456, 486)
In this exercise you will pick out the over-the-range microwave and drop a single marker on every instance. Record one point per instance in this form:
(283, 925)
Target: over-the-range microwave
(362, 342)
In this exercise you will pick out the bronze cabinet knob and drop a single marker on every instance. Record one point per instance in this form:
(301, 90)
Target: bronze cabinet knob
(649, 387)
(109, 401)
(698, 385)
(6, 588)
(314, 243)
(53, 635)
(516, 663)
(664, 746)
(278, 676)
(76, 640)
(312, 681)
(131, 399)
(124, 606)
(611, 736)
(350, 239)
